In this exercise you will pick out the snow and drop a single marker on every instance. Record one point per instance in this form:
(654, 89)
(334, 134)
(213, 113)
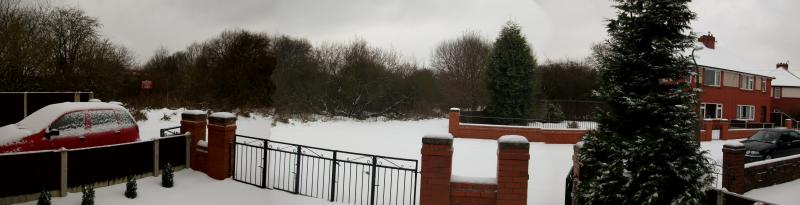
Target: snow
(95, 100)
(472, 158)
(191, 187)
(513, 139)
(473, 180)
(12, 133)
(769, 161)
(734, 144)
(222, 115)
(785, 193)
(194, 112)
(443, 136)
(455, 109)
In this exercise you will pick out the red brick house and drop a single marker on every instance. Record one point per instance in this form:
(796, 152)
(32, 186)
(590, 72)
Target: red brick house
(786, 91)
(734, 95)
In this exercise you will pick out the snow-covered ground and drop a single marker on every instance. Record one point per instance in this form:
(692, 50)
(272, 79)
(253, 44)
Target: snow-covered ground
(472, 157)
(784, 194)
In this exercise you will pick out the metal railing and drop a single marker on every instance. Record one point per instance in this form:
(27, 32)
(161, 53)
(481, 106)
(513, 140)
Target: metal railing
(750, 125)
(170, 131)
(537, 123)
(333, 175)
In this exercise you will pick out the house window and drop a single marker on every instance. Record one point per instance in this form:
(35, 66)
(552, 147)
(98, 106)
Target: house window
(745, 112)
(711, 110)
(776, 92)
(763, 84)
(711, 77)
(747, 82)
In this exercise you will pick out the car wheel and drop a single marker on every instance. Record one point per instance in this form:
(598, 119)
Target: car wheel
(768, 157)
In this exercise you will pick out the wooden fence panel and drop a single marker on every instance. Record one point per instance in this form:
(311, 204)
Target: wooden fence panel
(29, 173)
(87, 166)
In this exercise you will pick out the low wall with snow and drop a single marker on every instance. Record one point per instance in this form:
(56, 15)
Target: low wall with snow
(533, 134)
(771, 172)
(439, 187)
(739, 177)
(740, 133)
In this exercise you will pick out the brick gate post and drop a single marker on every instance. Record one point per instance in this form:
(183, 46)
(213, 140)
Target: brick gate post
(195, 122)
(733, 166)
(454, 120)
(437, 167)
(512, 170)
(221, 133)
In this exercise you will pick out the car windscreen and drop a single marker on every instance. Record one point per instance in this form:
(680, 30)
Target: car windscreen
(766, 136)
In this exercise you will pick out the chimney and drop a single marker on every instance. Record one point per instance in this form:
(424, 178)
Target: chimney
(708, 40)
(785, 66)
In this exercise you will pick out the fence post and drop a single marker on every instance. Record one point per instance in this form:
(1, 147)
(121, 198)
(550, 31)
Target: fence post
(374, 174)
(264, 164)
(724, 129)
(64, 172)
(25, 104)
(437, 168)
(155, 156)
(297, 171)
(221, 134)
(733, 166)
(194, 122)
(513, 155)
(454, 120)
(333, 177)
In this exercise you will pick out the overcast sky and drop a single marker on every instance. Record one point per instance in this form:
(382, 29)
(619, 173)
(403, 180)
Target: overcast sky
(750, 33)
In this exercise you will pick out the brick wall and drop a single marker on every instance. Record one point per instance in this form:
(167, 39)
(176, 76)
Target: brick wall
(211, 154)
(771, 172)
(730, 97)
(465, 193)
(739, 177)
(481, 131)
(439, 187)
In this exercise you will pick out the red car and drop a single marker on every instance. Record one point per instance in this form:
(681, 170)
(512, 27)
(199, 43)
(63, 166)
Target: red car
(70, 125)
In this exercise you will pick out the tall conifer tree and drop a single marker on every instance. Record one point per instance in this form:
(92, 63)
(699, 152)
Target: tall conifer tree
(645, 150)
(509, 75)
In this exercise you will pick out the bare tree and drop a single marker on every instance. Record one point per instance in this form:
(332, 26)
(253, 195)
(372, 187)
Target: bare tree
(461, 66)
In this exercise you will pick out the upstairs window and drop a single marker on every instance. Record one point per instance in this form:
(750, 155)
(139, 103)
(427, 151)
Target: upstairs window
(776, 92)
(747, 82)
(763, 84)
(711, 77)
(745, 112)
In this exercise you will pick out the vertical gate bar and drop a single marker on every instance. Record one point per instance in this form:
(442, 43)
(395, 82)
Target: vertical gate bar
(414, 200)
(297, 172)
(333, 177)
(264, 165)
(372, 184)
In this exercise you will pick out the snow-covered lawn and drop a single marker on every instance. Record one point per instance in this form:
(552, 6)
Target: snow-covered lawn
(784, 194)
(476, 158)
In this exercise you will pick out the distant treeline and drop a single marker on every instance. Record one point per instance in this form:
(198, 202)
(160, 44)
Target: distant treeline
(41, 50)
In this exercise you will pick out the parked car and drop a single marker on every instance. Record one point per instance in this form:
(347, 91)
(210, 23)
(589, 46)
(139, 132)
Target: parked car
(70, 125)
(772, 143)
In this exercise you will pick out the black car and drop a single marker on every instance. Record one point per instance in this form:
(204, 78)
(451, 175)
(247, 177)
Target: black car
(772, 143)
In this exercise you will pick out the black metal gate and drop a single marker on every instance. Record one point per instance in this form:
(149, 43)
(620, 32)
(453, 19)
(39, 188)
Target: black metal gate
(333, 175)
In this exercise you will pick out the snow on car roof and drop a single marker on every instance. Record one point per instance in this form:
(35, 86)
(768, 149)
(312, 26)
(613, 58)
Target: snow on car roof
(43, 117)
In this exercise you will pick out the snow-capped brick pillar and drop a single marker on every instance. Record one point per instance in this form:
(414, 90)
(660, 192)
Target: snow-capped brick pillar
(733, 166)
(512, 170)
(437, 166)
(454, 120)
(724, 129)
(576, 169)
(221, 133)
(788, 124)
(708, 128)
(195, 122)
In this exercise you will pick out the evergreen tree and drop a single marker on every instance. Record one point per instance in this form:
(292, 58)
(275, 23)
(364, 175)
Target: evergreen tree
(88, 195)
(167, 176)
(44, 198)
(130, 188)
(645, 150)
(509, 75)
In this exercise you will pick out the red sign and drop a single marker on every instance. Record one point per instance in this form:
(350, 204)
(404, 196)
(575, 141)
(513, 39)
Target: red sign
(147, 85)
